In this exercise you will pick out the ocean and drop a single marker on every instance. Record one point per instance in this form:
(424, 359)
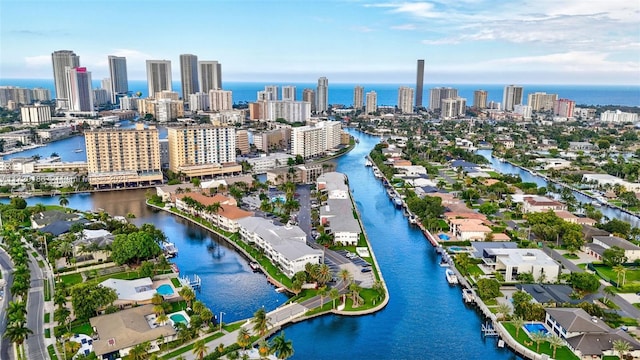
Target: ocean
(342, 93)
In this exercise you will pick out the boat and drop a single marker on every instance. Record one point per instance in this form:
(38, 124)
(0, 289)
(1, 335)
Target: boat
(78, 150)
(390, 193)
(500, 343)
(255, 266)
(596, 203)
(368, 163)
(468, 296)
(377, 173)
(413, 219)
(444, 262)
(397, 201)
(451, 277)
(280, 289)
(170, 250)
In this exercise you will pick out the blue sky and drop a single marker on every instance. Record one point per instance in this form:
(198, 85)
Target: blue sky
(462, 41)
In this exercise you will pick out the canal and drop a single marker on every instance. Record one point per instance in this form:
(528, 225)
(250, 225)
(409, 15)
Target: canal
(507, 168)
(425, 318)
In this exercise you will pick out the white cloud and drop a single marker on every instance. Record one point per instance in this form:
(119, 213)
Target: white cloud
(38, 61)
(404, 27)
(362, 29)
(574, 61)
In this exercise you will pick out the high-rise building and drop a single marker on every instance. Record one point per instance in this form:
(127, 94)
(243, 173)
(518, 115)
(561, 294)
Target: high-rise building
(15, 95)
(117, 156)
(372, 102)
(289, 93)
(453, 107)
(35, 114)
(419, 83)
(199, 102)
(220, 100)
(62, 59)
(480, 99)
(210, 75)
(437, 94)
(291, 111)
(101, 97)
(358, 98)
(314, 140)
(189, 75)
(41, 94)
(158, 76)
(524, 110)
(119, 79)
(309, 95)
(242, 141)
(322, 95)
(270, 93)
(201, 145)
(405, 100)
(618, 116)
(79, 89)
(511, 97)
(564, 108)
(541, 101)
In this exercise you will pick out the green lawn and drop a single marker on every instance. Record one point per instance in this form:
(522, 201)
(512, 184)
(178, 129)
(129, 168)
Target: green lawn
(47, 333)
(84, 328)
(563, 353)
(571, 256)
(47, 317)
(71, 279)
(189, 347)
(176, 283)
(52, 352)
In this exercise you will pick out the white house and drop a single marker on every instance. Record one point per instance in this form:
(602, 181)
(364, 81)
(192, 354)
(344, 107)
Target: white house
(335, 184)
(554, 163)
(469, 229)
(285, 246)
(518, 261)
(337, 217)
(533, 204)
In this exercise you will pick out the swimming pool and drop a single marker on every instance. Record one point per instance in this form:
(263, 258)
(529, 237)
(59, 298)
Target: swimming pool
(165, 290)
(444, 237)
(179, 318)
(279, 198)
(457, 249)
(536, 327)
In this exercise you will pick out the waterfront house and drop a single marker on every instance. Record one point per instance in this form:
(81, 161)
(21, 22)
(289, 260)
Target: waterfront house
(581, 146)
(469, 229)
(587, 336)
(601, 243)
(571, 218)
(553, 295)
(606, 180)
(337, 216)
(285, 246)
(512, 262)
(554, 163)
(533, 204)
(227, 215)
(44, 218)
(334, 184)
(119, 332)
(138, 291)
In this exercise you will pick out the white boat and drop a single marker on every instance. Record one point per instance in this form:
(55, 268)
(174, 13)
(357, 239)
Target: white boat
(500, 343)
(596, 203)
(467, 295)
(78, 150)
(368, 163)
(413, 219)
(170, 250)
(377, 173)
(451, 277)
(397, 201)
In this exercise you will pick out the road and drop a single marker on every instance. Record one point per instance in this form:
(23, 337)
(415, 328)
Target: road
(35, 347)
(6, 349)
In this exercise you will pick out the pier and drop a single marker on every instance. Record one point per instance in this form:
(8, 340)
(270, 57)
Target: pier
(195, 282)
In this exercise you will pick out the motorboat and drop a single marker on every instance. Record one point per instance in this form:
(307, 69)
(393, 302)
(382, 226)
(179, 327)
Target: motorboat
(451, 277)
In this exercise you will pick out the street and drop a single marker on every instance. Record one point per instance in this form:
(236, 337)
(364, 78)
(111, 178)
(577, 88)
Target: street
(35, 347)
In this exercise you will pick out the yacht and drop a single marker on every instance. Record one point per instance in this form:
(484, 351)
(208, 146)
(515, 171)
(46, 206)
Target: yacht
(397, 201)
(368, 163)
(170, 250)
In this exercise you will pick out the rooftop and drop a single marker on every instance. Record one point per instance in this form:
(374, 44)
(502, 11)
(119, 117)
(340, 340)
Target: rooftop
(612, 241)
(340, 215)
(516, 257)
(132, 290)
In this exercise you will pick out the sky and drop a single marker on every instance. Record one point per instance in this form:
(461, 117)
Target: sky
(462, 41)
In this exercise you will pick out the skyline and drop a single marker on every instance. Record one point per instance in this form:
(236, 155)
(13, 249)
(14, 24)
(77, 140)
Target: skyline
(494, 42)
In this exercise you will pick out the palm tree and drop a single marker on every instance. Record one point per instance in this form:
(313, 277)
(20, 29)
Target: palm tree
(322, 292)
(65, 248)
(158, 309)
(538, 337)
(261, 322)
(206, 315)
(609, 291)
(555, 341)
(334, 294)
(140, 351)
(621, 347)
(281, 347)
(345, 275)
(17, 332)
(17, 311)
(187, 294)
(200, 349)
(504, 310)
(355, 293)
(323, 274)
(162, 318)
(518, 322)
(197, 307)
(234, 355)
(213, 209)
(244, 339)
(157, 299)
(63, 201)
(263, 349)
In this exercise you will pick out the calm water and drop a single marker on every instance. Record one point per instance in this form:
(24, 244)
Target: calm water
(342, 93)
(506, 168)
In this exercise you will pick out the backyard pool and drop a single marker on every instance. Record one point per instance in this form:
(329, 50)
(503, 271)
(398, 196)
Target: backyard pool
(279, 198)
(536, 327)
(178, 318)
(165, 290)
(457, 249)
(444, 237)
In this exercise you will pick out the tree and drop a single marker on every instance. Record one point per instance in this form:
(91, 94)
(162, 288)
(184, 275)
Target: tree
(573, 240)
(584, 281)
(261, 322)
(322, 292)
(608, 291)
(518, 322)
(133, 247)
(187, 294)
(555, 341)
(614, 256)
(463, 261)
(244, 339)
(18, 203)
(488, 208)
(616, 226)
(488, 288)
(504, 310)
(334, 294)
(538, 337)
(63, 201)
(345, 275)
(88, 298)
(140, 351)
(17, 332)
(281, 347)
(621, 347)
(323, 274)
(200, 349)
(620, 270)
(146, 269)
(61, 316)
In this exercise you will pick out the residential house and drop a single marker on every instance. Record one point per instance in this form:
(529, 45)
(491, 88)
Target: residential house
(334, 184)
(469, 229)
(512, 262)
(571, 218)
(581, 146)
(285, 246)
(602, 243)
(227, 215)
(119, 332)
(588, 337)
(554, 163)
(337, 218)
(533, 204)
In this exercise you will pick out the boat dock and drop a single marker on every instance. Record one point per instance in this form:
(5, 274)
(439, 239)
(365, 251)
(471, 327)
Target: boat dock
(488, 330)
(195, 282)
